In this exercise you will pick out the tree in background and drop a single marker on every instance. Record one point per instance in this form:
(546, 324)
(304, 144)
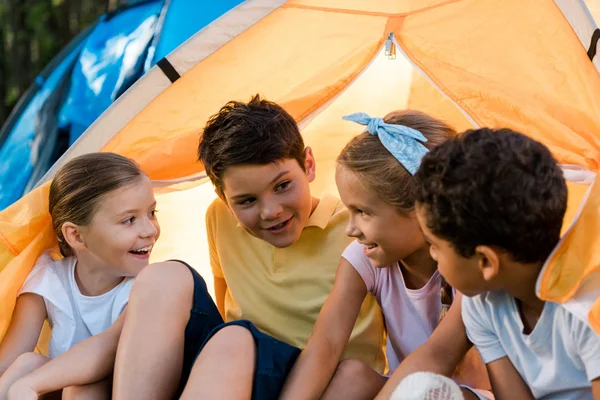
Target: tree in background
(32, 32)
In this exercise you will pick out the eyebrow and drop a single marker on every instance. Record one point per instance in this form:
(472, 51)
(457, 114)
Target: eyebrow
(244, 195)
(132, 211)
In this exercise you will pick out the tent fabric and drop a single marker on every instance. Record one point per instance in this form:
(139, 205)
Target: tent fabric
(23, 139)
(582, 21)
(151, 85)
(180, 24)
(321, 60)
(112, 59)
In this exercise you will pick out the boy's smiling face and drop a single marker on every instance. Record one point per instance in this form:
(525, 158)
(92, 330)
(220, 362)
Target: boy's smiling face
(271, 201)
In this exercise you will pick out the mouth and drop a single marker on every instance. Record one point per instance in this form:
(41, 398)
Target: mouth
(368, 248)
(280, 226)
(143, 251)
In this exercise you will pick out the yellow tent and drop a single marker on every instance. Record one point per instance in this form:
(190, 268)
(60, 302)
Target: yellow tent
(510, 63)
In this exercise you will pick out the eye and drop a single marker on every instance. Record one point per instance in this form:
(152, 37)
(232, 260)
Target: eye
(128, 221)
(153, 213)
(248, 201)
(361, 212)
(282, 186)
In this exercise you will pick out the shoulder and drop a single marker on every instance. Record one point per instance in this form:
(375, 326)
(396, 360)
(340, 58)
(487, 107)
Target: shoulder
(486, 302)
(218, 216)
(354, 254)
(47, 272)
(340, 214)
(482, 307)
(577, 329)
(217, 210)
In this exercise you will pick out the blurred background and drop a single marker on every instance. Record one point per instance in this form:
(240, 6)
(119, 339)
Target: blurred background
(32, 32)
(64, 62)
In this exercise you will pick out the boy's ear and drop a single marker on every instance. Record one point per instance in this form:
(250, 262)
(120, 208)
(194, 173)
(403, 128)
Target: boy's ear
(72, 235)
(310, 164)
(488, 262)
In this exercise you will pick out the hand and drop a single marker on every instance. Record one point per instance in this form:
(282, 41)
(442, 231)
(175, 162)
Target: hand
(21, 390)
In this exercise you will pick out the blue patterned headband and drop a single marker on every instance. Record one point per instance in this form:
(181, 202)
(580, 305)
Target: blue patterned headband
(405, 144)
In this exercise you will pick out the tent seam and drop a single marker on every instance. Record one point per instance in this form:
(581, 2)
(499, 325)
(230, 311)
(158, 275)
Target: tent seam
(368, 13)
(459, 103)
(335, 90)
(8, 245)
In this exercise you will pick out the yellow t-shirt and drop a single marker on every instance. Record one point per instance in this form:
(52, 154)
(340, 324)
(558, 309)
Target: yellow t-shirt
(282, 290)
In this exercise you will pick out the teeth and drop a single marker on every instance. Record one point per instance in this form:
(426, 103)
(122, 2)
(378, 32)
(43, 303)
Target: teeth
(278, 225)
(143, 249)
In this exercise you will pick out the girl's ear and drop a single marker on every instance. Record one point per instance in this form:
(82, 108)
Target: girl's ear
(72, 235)
(488, 262)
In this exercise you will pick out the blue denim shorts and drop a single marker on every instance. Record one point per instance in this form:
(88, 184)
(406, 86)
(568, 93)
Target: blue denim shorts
(274, 358)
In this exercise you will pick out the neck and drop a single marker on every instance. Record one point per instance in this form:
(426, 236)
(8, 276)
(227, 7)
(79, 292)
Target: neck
(418, 268)
(523, 278)
(94, 280)
(314, 204)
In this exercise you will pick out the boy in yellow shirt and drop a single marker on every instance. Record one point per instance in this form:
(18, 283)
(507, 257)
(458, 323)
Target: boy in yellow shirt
(274, 250)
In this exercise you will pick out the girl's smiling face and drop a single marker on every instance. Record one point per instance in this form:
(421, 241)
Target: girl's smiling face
(122, 231)
(388, 235)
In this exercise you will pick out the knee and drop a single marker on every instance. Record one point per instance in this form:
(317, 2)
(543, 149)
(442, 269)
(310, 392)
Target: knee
(30, 361)
(73, 392)
(161, 280)
(94, 391)
(234, 340)
(351, 370)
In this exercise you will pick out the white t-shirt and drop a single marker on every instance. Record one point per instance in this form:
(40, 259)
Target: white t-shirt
(410, 315)
(73, 317)
(557, 360)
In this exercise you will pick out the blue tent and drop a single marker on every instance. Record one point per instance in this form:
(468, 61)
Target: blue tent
(86, 77)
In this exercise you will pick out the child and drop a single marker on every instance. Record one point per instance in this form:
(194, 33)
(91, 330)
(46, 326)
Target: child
(389, 259)
(274, 250)
(103, 213)
(491, 204)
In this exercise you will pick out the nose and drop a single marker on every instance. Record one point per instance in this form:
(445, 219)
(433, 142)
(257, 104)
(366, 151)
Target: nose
(270, 209)
(150, 228)
(352, 229)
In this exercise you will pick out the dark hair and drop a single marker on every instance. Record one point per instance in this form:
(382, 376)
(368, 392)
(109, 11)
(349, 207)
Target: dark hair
(257, 132)
(80, 184)
(383, 175)
(495, 188)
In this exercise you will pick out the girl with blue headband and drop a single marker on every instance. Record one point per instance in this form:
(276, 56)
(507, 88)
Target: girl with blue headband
(390, 260)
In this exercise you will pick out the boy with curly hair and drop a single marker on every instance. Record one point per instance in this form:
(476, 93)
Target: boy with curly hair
(491, 204)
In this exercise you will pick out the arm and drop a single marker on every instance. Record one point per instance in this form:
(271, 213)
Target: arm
(506, 381)
(24, 330)
(87, 362)
(440, 354)
(596, 388)
(220, 290)
(317, 363)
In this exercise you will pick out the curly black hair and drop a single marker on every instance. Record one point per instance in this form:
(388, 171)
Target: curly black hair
(257, 132)
(495, 188)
